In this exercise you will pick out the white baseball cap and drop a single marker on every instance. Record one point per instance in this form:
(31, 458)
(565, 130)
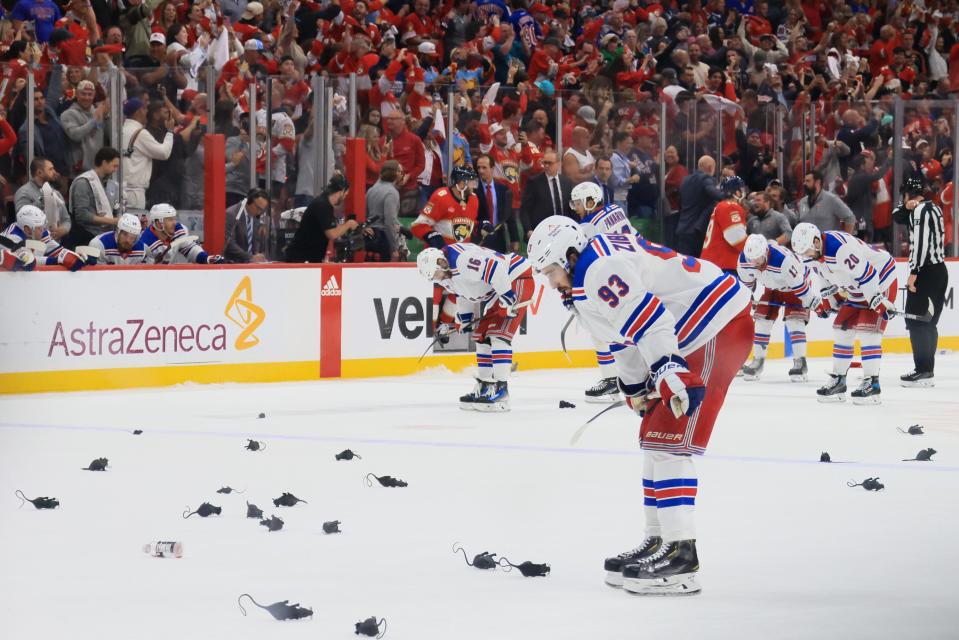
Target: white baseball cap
(158, 38)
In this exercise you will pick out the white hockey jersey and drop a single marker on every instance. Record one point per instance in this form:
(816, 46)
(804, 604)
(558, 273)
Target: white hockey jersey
(783, 272)
(480, 275)
(608, 219)
(110, 253)
(53, 250)
(159, 251)
(850, 264)
(629, 290)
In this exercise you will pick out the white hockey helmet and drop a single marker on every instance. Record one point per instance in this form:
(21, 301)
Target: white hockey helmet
(31, 216)
(584, 192)
(429, 261)
(756, 247)
(803, 236)
(552, 239)
(129, 223)
(160, 212)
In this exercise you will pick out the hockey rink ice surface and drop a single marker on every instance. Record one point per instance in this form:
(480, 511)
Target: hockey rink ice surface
(787, 549)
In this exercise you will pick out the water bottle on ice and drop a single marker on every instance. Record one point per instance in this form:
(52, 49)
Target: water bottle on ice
(164, 549)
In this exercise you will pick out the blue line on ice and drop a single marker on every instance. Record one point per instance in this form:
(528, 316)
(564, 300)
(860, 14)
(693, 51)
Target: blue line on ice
(469, 445)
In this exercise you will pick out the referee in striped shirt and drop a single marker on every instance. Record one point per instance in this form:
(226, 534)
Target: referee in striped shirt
(928, 277)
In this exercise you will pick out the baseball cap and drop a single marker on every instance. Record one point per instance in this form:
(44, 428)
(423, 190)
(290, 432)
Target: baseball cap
(428, 48)
(495, 128)
(253, 9)
(131, 106)
(252, 45)
(587, 114)
(157, 38)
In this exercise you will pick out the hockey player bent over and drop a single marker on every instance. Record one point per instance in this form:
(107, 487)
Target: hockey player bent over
(504, 285)
(868, 278)
(122, 245)
(31, 224)
(586, 199)
(688, 331)
(788, 286)
(167, 241)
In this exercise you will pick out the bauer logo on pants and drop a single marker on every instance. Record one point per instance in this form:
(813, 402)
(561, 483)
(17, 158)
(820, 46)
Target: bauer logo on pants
(242, 312)
(331, 288)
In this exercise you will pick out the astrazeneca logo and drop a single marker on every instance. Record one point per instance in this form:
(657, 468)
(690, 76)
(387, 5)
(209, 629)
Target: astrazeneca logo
(242, 312)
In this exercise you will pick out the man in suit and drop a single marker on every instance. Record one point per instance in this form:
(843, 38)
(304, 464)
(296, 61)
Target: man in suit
(546, 195)
(698, 194)
(601, 175)
(496, 208)
(244, 240)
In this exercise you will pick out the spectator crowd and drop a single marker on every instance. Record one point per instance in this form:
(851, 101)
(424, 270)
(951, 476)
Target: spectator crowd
(654, 101)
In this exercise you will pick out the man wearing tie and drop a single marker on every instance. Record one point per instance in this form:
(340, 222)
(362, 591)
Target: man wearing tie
(601, 176)
(546, 194)
(244, 241)
(495, 208)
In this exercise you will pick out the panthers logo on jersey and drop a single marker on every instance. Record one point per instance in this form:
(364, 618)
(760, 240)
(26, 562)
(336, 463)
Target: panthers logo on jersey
(462, 229)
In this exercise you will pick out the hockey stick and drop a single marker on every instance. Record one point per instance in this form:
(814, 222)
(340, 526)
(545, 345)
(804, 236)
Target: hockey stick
(579, 432)
(562, 336)
(926, 317)
(469, 325)
(7, 243)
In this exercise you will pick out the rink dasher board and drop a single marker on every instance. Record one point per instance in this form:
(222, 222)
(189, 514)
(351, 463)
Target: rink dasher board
(110, 328)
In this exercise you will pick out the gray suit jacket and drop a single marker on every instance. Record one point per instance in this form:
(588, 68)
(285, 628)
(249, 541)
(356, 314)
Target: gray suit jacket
(235, 239)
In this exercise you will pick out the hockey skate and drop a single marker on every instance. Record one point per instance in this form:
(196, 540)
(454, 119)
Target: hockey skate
(752, 370)
(868, 392)
(799, 370)
(670, 572)
(606, 390)
(917, 379)
(495, 398)
(835, 391)
(614, 566)
(468, 402)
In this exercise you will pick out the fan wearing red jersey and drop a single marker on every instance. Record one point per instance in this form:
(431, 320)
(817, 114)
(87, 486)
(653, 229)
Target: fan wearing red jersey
(726, 233)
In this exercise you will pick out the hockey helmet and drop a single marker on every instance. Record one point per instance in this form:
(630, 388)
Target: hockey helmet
(31, 216)
(160, 212)
(462, 173)
(589, 194)
(731, 184)
(428, 262)
(913, 186)
(129, 223)
(551, 241)
(803, 237)
(756, 248)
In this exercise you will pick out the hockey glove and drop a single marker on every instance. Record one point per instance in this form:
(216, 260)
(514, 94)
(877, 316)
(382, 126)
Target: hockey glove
(70, 260)
(486, 228)
(434, 239)
(638, 396)
(215, 259)
(823, 307)
(883, 307)
(680, 388)
(25, 261)
(567, 299)
(507, 300)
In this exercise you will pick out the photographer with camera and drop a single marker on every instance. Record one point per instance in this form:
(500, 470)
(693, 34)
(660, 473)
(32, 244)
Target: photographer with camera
(318, 226)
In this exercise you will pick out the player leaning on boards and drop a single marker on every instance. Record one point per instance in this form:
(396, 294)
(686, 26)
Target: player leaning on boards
(586, 200)
(31, 225)
(787, 286)
(687, 328)
(928, 278)
(123, 245)
(167, 241)
(867, 278)
(503, 285)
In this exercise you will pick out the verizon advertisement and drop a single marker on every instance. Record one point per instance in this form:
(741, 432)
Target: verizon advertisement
(153, 318)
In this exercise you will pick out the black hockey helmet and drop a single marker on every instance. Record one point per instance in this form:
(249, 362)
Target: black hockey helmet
(731, 184)
(913, 186)
(464, 173)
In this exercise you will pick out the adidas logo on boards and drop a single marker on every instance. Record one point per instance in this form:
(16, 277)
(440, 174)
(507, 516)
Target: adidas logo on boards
(331, 288)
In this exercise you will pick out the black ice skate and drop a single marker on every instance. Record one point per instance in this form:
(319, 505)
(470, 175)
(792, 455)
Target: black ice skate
(671, 571)
(799, 370)
(606, 390)
(868, 392)
(835, 391)
(494, 398)
(614, 566)
(468, 402)
(754, 369)
(917, 379)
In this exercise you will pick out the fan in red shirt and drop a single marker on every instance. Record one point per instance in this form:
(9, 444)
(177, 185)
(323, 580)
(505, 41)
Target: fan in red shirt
(450, 213)
(726, 234)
